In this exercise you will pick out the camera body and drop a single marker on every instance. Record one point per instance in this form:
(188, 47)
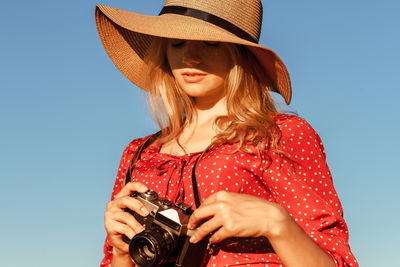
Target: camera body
(165, 240)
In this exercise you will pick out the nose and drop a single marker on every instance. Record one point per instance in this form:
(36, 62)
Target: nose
(191, 52)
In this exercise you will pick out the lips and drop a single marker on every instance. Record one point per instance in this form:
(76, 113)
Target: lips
(193, 76)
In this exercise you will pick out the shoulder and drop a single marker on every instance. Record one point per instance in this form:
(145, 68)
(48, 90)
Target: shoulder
(134, 144)
(126, 157)
(292, 124)
(297, 134)
(130, 150)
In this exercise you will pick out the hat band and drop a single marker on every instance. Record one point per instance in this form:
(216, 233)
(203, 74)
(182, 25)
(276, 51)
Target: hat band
(205, 16)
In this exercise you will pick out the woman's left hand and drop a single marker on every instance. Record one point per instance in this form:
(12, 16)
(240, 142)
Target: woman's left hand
(237, 215)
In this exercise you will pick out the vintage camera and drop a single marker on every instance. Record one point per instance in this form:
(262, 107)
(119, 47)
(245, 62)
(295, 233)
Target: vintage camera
(165, 240)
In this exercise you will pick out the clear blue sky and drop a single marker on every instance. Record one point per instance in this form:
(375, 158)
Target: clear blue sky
(66, 113)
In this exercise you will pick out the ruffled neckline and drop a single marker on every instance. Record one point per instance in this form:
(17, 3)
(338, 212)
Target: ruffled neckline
(156, 148)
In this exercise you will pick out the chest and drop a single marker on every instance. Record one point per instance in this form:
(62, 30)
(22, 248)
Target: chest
(219, 170)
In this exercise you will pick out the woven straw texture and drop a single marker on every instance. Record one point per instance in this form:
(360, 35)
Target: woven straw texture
(126, 35)
(249, 19)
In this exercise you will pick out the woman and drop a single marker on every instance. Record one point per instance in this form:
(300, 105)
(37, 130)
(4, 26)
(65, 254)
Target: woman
(262, 177)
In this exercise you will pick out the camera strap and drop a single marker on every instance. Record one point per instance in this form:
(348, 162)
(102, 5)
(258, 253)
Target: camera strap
(194, 181)
(138, 153)
(147, 143)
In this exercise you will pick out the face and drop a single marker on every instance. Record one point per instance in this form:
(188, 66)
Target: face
(199, 67)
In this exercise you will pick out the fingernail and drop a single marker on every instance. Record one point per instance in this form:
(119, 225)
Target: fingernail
(145, 211)
(193, 239)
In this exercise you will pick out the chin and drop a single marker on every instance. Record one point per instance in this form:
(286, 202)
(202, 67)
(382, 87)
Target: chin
(199, 91)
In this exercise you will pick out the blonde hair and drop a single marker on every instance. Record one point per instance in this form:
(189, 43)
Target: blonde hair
(250, 108)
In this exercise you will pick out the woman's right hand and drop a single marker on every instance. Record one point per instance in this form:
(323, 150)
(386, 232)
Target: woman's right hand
(118, 222)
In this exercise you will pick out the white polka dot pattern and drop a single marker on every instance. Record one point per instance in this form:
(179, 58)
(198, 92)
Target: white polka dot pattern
(298, 179)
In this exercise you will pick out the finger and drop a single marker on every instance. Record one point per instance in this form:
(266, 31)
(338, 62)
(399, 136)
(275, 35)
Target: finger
(125, 218)
(122, 246)
(205, 229)
(131, 187)
(220, 235)
(118, 229)
(130, 203)
(204, 212)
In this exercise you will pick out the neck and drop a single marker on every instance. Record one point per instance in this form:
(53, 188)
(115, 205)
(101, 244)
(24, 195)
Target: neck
(198, 133)
(207, 111)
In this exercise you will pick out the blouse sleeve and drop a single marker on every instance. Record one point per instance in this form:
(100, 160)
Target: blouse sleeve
(119, 183)
(300, 181)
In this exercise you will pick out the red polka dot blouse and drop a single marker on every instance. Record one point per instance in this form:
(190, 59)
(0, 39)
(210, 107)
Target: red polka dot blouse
(300, 182)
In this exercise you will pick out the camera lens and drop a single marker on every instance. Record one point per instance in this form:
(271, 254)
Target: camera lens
(151, 247)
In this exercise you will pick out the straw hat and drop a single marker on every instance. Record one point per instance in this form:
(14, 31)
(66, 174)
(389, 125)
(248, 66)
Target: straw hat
(126, 36)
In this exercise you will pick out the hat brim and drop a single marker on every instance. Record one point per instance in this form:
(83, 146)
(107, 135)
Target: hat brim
(126, 36)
